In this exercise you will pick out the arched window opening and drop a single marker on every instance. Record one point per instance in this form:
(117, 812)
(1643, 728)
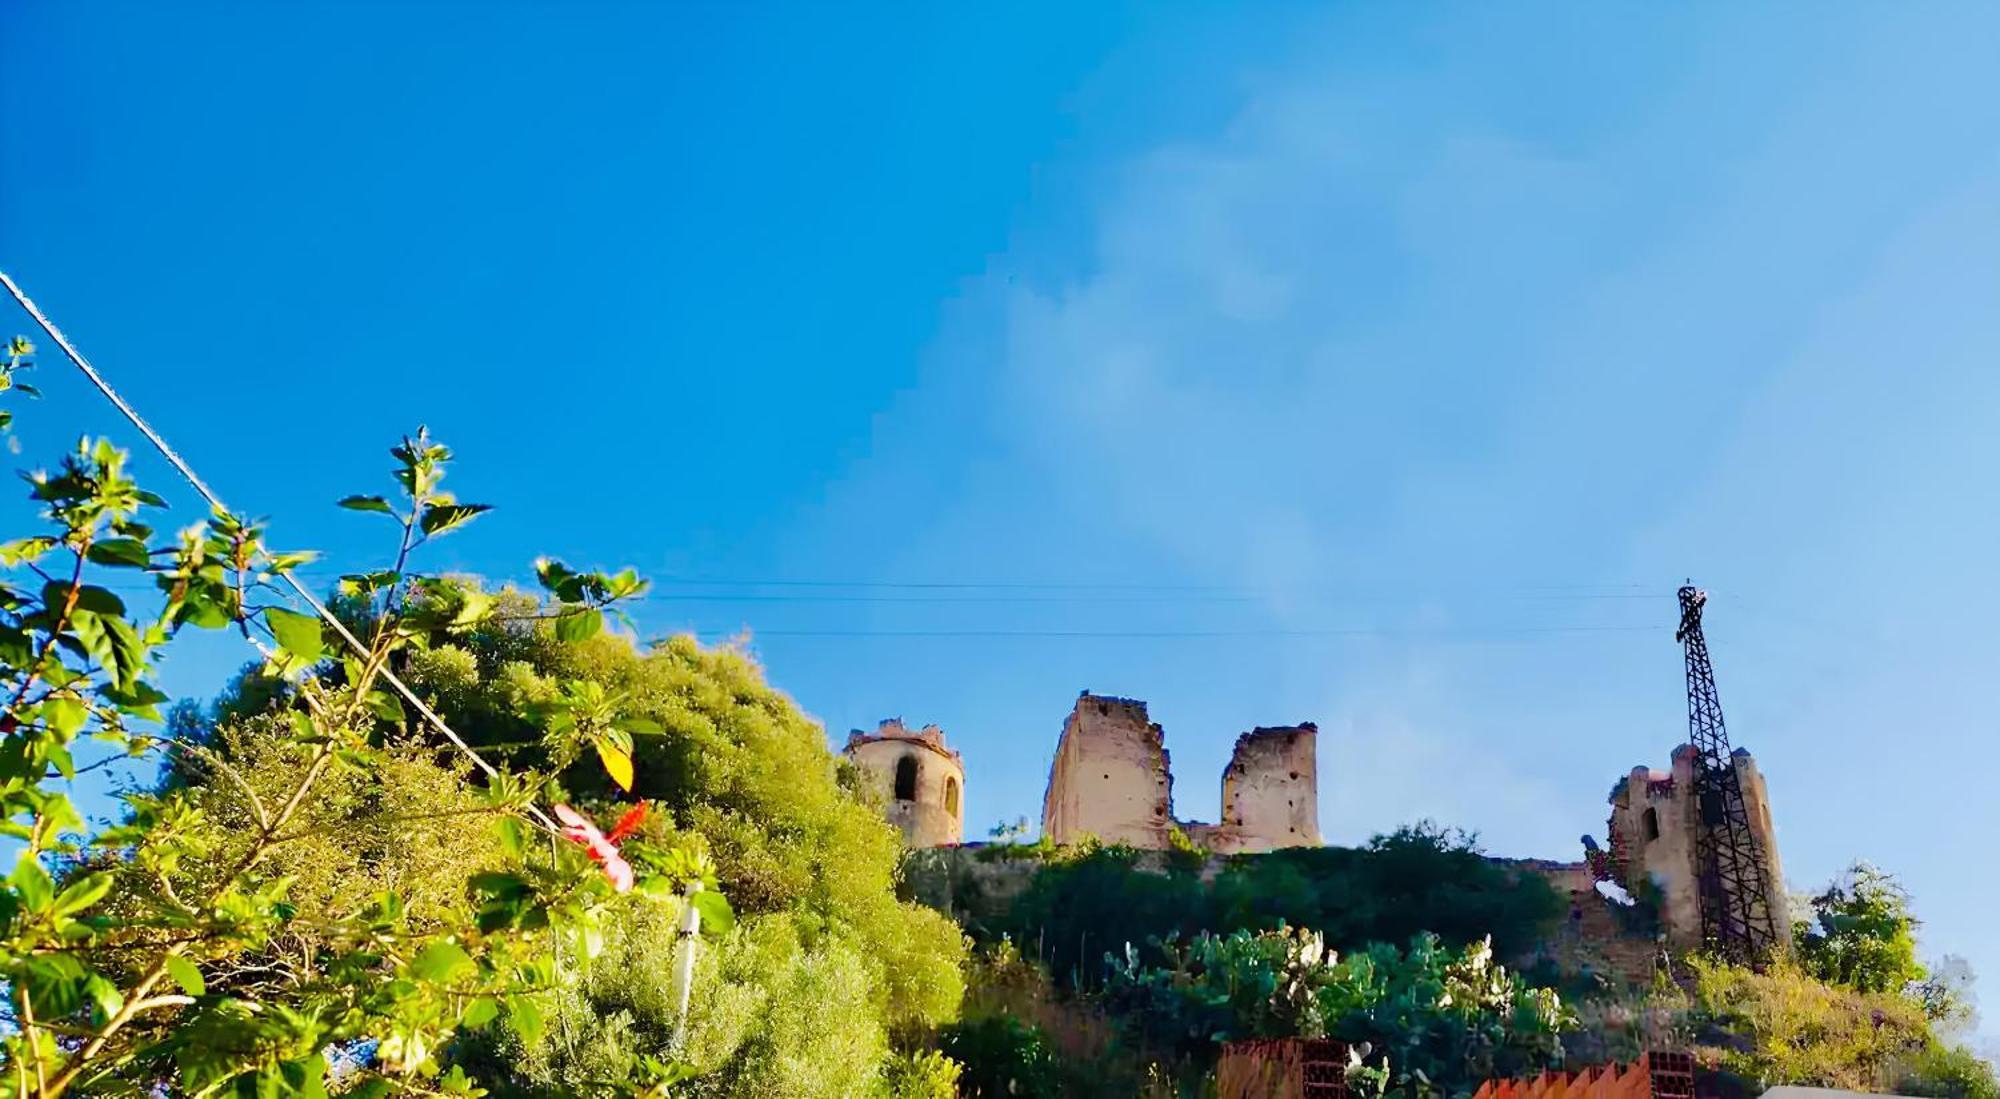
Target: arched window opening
(1652, 824)
(951, 796)
(906, 779)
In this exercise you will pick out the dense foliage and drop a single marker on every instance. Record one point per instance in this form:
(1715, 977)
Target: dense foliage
(828, 968)
(1088, 902)
(1861, 934)
(1850, 1007)
(1436, 1017)
(220, 937)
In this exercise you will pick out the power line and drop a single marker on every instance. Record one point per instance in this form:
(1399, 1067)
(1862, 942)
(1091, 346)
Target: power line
(1441, 635)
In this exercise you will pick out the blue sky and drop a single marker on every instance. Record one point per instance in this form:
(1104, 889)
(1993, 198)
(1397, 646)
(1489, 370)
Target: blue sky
(1381, 366)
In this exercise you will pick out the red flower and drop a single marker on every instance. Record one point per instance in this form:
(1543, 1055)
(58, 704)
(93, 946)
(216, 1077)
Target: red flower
(602, 850)
(629, 823)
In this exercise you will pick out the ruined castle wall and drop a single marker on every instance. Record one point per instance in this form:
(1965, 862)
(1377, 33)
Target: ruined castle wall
(1757, 800)
(1655, 823)
(934, 814)
(1109, 778)
(1270, 792)
(1653, 826)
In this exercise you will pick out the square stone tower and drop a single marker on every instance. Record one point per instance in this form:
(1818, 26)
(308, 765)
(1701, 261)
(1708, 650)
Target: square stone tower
(1109, 778)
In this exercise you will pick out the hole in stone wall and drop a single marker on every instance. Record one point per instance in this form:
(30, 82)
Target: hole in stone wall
(951, 796)
(906, 779)
(1295, 776)
(1651, 822)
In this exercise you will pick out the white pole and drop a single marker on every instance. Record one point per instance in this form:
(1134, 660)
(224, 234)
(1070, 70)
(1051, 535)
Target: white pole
(689, 942)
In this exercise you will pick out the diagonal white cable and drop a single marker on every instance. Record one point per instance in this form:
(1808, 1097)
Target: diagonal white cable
(186, 471)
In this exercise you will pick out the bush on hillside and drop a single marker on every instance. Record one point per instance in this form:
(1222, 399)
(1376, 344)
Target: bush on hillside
(1451, 1017)
(1088, 902)
(736, 767)
(731, 768)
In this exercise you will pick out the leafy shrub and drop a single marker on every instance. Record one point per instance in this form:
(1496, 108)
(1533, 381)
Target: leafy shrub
(1784, 1026)
(1451, 1017)
(1861, 934)
(921, 1074)
(1943, 1071)
(1089, 901)
(1003, 1056)
(292, 887)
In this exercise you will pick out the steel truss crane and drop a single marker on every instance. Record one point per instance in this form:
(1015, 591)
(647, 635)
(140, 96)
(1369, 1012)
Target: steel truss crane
(1736, 919)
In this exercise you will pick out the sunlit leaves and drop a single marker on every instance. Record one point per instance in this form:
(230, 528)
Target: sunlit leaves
(441, 518)
(443, 961)
(192, 868)
(578, 625)
(81, 893)
(118, 553)
(22, 550)
(298, 635)
(617, 762)
(717, 918)
(186, 974)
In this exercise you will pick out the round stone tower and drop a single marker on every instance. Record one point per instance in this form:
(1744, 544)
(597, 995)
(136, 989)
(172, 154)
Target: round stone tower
(921, 781)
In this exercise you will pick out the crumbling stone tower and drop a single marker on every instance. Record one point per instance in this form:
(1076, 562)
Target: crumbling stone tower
(1109, 778)
(1653, 825)
(922, 782)
(1270, 792)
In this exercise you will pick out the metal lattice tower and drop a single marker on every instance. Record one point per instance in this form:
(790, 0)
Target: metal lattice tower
(1735, 904)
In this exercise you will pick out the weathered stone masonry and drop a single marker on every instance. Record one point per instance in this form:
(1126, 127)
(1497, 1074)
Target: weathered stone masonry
(1111, 778)
(1653, 825)
(922, 782)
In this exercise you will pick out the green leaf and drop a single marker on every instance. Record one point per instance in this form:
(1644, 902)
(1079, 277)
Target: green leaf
(482, 1010)
(641, 726)
(104, 997)
(187, 975)
(367, 503)
(511, 837)
(298, 634)
(525, 1018)
(97, 600)
(65, 716)
(440, 962)
(33, 884)
(119, 553)
(440, 518)
(386, 706)
(25, 549)
(717, 918)
(82, 893)
(580, 625)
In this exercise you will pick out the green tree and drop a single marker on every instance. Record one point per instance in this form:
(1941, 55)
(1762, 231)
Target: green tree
(215, 940)
(732, 767)
(1861, 934)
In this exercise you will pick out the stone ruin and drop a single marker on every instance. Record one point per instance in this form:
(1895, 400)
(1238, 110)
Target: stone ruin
(920, 780)
(1652, 831)
(1111, 779)
(1651, 855)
